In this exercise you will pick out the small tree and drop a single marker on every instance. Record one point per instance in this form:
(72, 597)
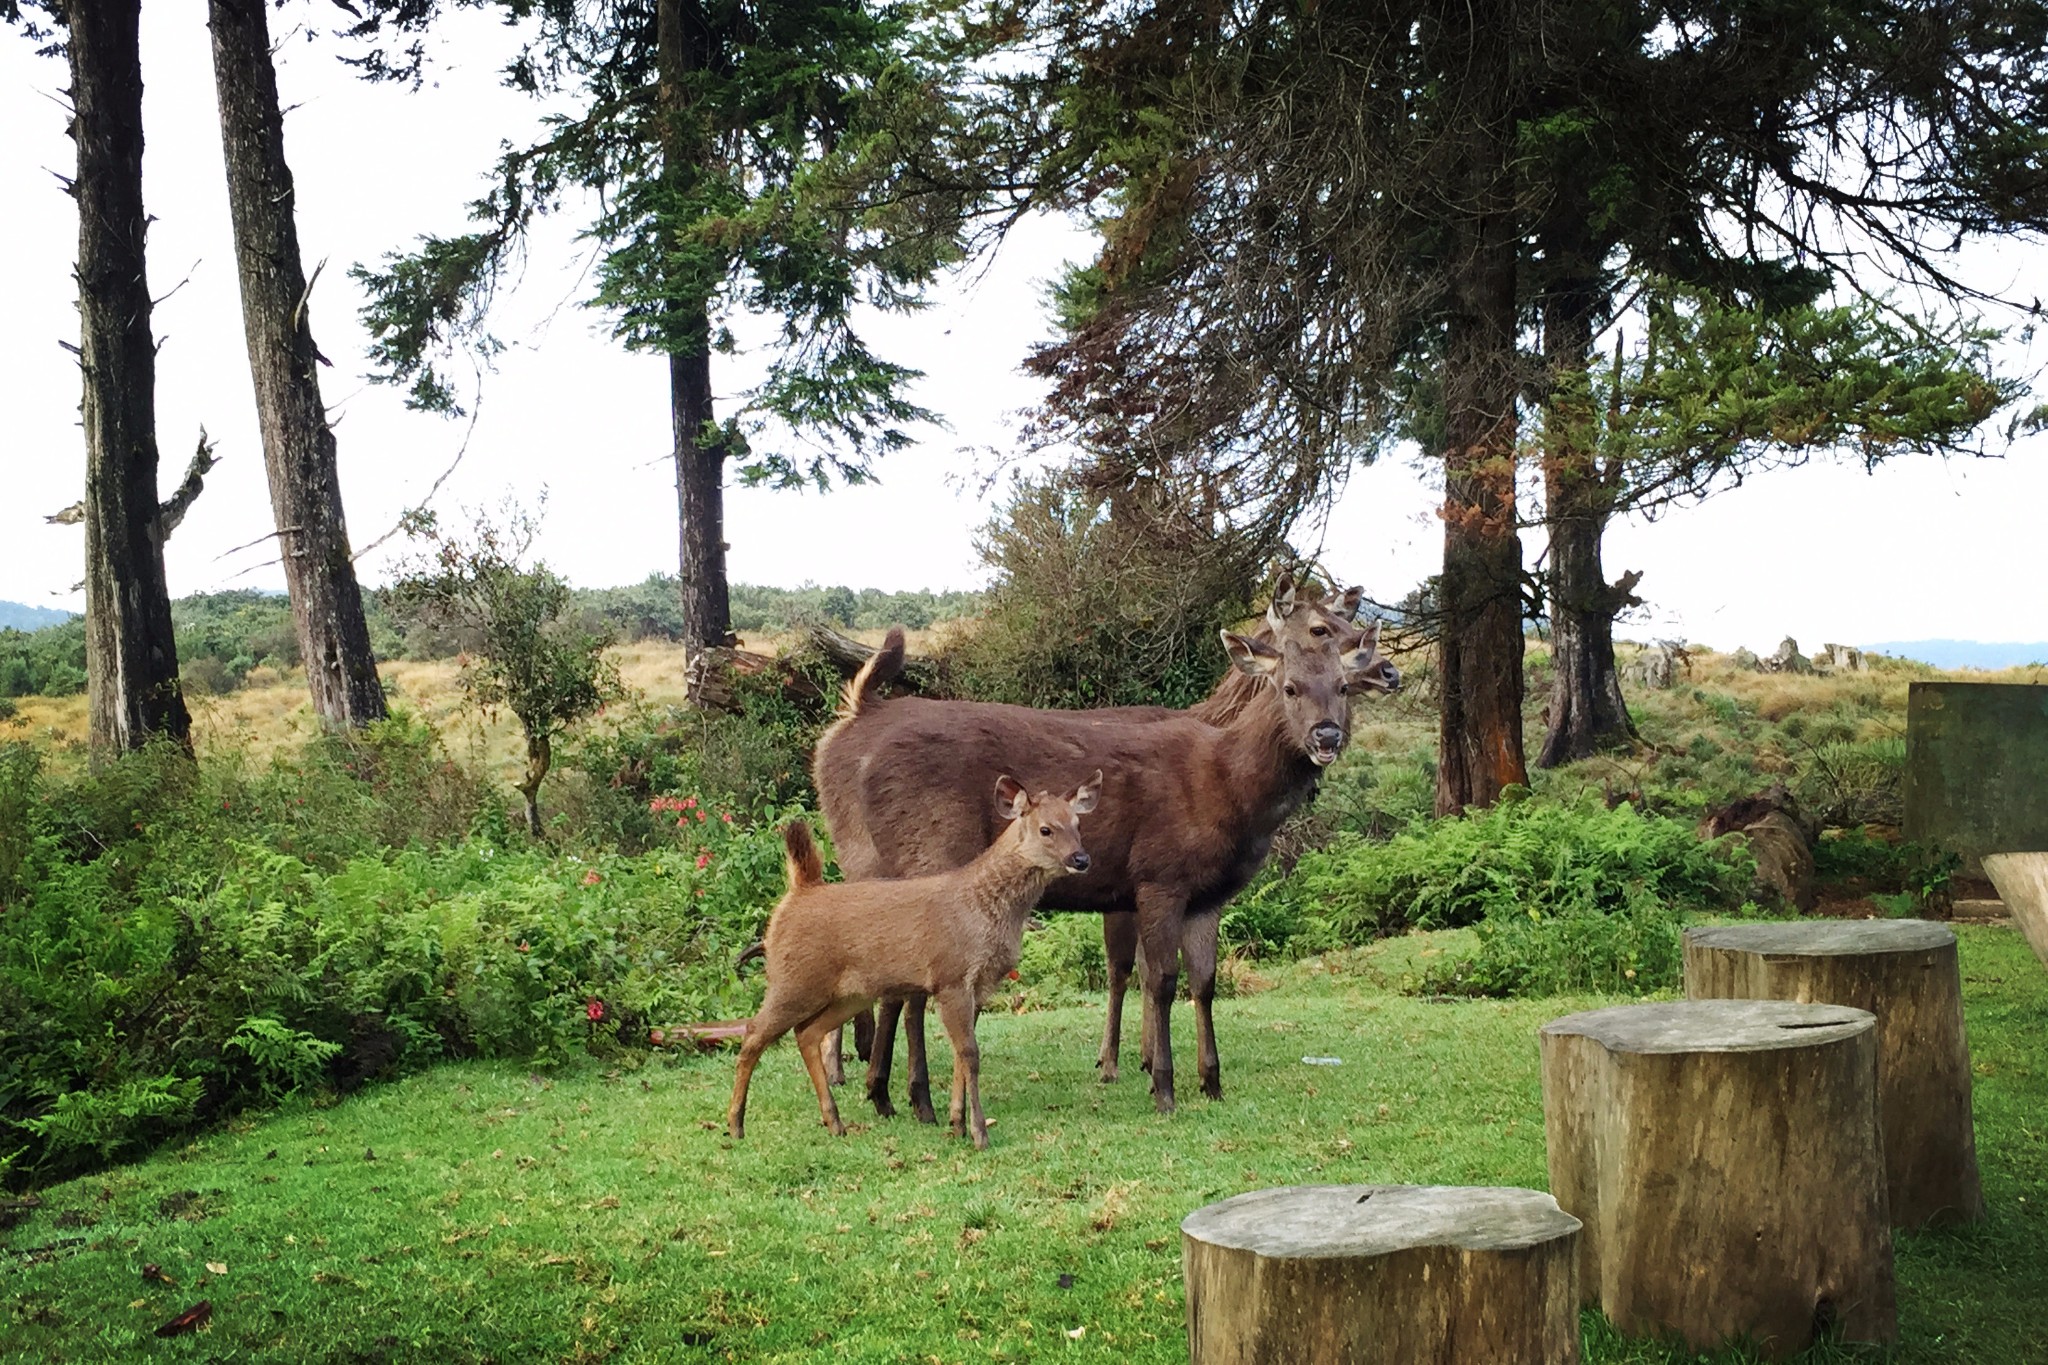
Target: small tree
(549, 670)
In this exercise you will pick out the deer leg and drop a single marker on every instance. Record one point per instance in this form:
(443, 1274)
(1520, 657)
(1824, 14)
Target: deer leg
(1120, 947)
(833, 1050)
(776, 1017)
(1160, 920)
(880, 1054)
(810, 1040)
(919, 1064)
(1198, 955)
(957, 1011)
(864, 1034)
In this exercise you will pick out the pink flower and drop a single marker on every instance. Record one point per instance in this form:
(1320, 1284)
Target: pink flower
(689, 803)
(726, 816)
(595, 1009)
(700, 817)
(704, 858)
(592, 877)
(522, 946)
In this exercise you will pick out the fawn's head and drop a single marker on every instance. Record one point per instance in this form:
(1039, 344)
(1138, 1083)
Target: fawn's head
(1046, 826)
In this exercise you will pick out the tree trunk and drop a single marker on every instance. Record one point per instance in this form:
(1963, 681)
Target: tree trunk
(1479, 745)
(682, 43)
(298, 445)
(1382, 1273)
(1587, 713)
(131, 653)
(1725, 1158)
(1905, 972)
(540, 756)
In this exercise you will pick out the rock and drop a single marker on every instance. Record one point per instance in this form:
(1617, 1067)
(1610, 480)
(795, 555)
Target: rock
(1654, 667)
(1788, 659)
(1745, 660)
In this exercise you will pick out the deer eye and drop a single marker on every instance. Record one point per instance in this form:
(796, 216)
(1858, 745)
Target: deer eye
(1046, 830)
(1343, 689)
(1291, 690)
(1319, 631)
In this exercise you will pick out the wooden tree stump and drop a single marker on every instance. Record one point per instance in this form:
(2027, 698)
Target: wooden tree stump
(2022, 882)
(1382, 1273)
(1724, 1156)
(1905, 973)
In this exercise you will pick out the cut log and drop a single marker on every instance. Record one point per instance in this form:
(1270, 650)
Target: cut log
(1724, 1156)
(710, 677)
(1382, 1273)
(1905, 973)
(2022, 882)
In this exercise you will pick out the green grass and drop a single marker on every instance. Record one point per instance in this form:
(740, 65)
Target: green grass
(478, 1212)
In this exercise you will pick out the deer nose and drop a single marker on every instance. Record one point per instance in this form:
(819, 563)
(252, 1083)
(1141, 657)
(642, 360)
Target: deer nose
(1393, 677)
(1327, 735)
(1078, 861)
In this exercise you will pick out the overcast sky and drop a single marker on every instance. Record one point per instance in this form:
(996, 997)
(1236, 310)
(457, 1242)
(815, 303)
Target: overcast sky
(1920, 549)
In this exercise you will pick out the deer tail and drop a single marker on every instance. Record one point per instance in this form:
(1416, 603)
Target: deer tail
(881, 669)
(757, 949)
(803, 864)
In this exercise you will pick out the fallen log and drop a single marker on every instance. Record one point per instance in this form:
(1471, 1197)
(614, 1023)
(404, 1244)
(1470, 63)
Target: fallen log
(712, 679)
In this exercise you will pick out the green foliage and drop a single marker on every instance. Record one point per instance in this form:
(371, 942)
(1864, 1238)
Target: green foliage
(43, 663)
(797, 168)
(177, 940)
(1066, 952)
(1088, 610)
(1566, 897)
(530, 657)
(652, 609)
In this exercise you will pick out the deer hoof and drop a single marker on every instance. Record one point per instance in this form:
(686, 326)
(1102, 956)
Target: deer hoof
(1108, 1072)
(1212, 1086)
(880, 1099)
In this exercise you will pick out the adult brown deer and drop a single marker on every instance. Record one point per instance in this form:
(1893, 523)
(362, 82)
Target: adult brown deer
(1184, 822)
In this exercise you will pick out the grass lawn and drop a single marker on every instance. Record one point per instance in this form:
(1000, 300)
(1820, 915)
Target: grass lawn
(478, 1212)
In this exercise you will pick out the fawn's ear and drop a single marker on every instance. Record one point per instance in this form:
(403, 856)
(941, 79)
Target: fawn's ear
(1011, 798)
(1083, 799)
(1254, 658)
(1346, 604)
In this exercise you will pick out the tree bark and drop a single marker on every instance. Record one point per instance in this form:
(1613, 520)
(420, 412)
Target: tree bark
(1905, 972)
(540, 756)
(1479, 745)
(131, 653)
(298, 444)
(1382, 1273)
(1725, 1158)
(1587, 713)
(682, 41)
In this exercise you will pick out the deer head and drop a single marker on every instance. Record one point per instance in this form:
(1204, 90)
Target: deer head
(1314, 691)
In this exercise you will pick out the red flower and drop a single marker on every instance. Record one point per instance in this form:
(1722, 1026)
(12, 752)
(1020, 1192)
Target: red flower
(592, 877)
(700, 817)
(689, 803)
(726, 816)
(595, 1009)
(522, 946)
(704, 858)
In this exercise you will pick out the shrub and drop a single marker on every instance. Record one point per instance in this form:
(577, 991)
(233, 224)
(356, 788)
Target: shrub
(180, 939)
(1091, 610)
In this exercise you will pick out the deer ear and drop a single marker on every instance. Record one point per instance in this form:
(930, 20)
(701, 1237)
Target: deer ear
(1347, 603)
(1283, 601)
(1253, 658)
(1083, 799)
(1011, 798)
(1365, 650)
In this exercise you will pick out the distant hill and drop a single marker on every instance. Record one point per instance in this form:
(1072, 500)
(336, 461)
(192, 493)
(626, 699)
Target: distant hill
(15, 616)
(1966, 653)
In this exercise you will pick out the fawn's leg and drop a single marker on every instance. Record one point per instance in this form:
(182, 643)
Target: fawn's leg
(1161, 916)
(919, 1063)
(810, 1040)
(879, 1056)
(957, 1010)
(777, 1016)
(1198, 955)
(1120, 947)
